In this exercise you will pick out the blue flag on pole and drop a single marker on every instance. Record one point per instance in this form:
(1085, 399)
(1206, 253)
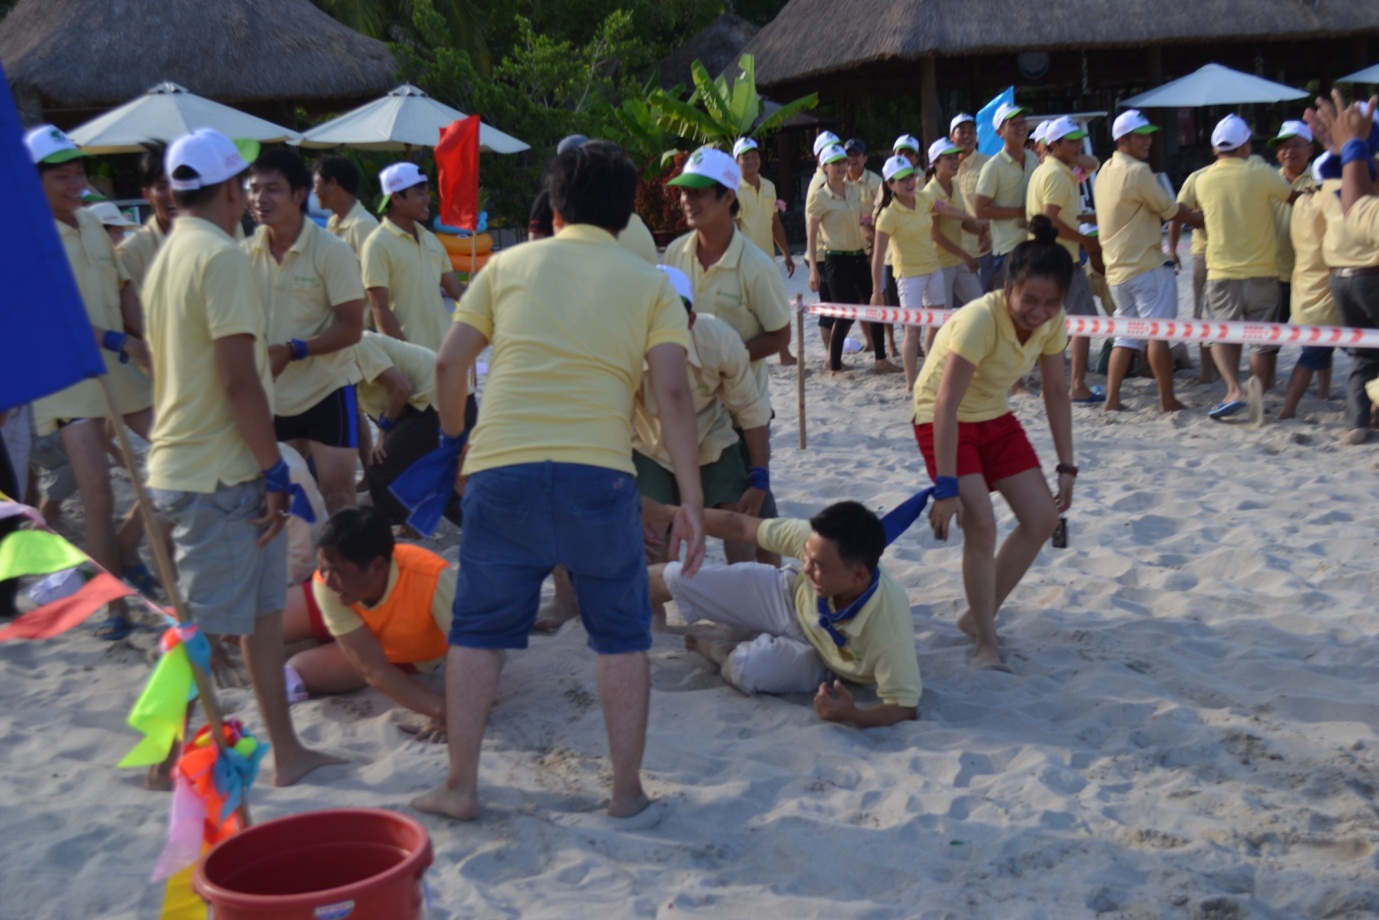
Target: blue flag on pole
(47, 333)
(988, 141)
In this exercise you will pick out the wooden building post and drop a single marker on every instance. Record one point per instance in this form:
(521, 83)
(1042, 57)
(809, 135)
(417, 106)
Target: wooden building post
(930, 117)
(1154, 67)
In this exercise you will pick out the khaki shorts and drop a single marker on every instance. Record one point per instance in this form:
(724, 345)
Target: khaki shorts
(1250, 300)
(226, 579)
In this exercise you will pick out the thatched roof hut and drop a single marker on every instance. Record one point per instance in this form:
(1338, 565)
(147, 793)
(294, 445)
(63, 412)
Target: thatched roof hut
(92, 54)
(718, 46)
(847, 48)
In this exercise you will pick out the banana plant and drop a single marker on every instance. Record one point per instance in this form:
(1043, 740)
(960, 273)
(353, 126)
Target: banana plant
(633, 125)
(719, 112)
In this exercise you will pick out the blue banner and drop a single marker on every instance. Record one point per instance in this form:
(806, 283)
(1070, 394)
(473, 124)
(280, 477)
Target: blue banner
(46, 328)
(988, 141)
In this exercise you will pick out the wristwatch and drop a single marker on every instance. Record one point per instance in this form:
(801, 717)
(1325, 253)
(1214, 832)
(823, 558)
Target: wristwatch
(1066, 468)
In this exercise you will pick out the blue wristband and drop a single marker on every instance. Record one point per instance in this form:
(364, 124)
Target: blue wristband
(386, 424)
(114, 341)
(760, 478)
(277, 478)
(1354, 151)
(298, 349)
(453, 446)
(945, 487)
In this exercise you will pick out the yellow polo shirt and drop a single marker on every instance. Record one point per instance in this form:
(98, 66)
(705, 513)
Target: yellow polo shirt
(637, 239)
(743, 288)
(354, 228)
(724, 391)
(911, 246)
(570, 319)
(1053, 183)
(1131, 207)
(756, 214)
(1237, 198)
(341, 620)
(410, 268)
(1362, 223)
(952, 229)
(138, 248)
(880, 649)
(1005, 181)
(983, 334)
(839, 217)
(1187, 196)
(375, 354)
(1341, 245)
(1310, 295)
(969, 170)
(1283, 223)
(200, 288)
(99, 276)
(317, 274)
(868, 189)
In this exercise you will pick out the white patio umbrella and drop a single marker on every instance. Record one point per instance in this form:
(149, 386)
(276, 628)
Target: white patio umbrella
(168, 111)
(404, 118)
(1368, 75)
(1213, 85)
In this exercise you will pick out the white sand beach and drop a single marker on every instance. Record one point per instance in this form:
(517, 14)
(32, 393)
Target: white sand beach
(1189, 729)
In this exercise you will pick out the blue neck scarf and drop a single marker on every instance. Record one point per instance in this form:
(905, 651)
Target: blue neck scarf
(896, 523)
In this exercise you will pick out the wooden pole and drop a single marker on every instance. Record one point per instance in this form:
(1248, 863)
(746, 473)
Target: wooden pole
(204, 686)
(799, 364)
(928, 97)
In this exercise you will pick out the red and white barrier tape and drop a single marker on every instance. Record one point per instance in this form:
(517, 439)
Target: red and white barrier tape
(1167, 330)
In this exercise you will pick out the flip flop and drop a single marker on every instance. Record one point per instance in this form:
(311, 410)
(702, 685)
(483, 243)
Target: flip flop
(1098, 396)
(141, 578)
(114, 629)
(1224, 409)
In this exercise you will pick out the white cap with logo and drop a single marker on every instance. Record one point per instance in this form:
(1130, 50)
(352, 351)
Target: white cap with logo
(1230, 133)
(1131, 121)
(1037, 134)
(743, 145)
(211, 155)
(1006, 111)
(897, 167)
(110, 215)
(961, 118)
(906, 142)
(49, 145)
(1289, 130)
(942, 147)
(1063, 128)
(398, 178)
(824, 139)
(707, 166)
(832, 154)
(680, 281)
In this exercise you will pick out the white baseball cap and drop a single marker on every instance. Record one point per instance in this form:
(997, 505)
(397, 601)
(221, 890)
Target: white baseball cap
(1291, 129)
(1087, 229)
(1230, 133)
(49, 145)
(1006, 111)
(824, 139)
(680, 281)
(743, 145)
(897, 167)
(110, 215)
(906, 142)
(211, 155)
(942, 147)
(398, 178)
(1063, 128)
(960, 119)
(1038, 133)
(832, 154)
(1131, 121)
(708, 166)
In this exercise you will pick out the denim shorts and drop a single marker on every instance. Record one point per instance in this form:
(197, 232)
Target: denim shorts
(522, 521)
(227, 580)
(1315, 357)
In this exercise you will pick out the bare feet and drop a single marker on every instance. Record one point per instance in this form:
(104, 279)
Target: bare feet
(1080, 395)
(716, 650)
(787, 359)
(1116, 406)
(289, 768)
(884, 367)
(967, 626)
(988, 658)
(451, 803)
(1353, 436)
(1173, 406)
(1254, 395)
(628, 805)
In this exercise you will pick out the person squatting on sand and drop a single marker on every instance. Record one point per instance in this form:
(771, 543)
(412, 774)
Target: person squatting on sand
(379, 611)
(837, 611)
(573, 321)
(973, 444)
(214, 468)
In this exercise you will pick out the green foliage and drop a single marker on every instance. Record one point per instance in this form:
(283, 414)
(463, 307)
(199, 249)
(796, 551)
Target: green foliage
(465, 22)
(660, 25)
(633, 125)
(758, 11)
(719, 112)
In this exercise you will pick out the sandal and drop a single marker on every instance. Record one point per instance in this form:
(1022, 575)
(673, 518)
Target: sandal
(114, 629)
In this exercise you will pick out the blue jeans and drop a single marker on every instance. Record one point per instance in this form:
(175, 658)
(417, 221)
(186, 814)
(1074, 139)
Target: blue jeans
(522, 521)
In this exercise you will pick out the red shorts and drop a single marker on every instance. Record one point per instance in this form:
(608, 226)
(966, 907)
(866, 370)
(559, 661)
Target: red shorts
(321, 634)
(996, 449)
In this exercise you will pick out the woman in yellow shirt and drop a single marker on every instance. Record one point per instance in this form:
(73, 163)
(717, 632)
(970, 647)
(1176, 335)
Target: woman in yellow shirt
(973, 444)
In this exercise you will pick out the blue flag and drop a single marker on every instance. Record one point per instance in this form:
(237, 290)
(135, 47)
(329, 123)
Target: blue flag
(988, 141)
(47, 333)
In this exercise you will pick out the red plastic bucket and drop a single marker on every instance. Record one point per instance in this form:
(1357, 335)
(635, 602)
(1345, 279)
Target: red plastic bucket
(359, 863)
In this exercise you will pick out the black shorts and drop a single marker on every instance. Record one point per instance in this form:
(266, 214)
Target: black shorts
(332, 422)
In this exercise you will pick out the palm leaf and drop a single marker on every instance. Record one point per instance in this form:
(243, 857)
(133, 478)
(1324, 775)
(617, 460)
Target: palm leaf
(784, 114)
(685, 120)
(712, 93)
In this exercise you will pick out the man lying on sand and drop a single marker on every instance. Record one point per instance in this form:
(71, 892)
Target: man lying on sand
(380, 612)
(839, 612)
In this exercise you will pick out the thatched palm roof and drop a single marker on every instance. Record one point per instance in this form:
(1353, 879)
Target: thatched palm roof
(96, 53)
(813, 38)
(718, 46)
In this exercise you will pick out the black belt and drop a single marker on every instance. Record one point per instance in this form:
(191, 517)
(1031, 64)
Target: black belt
(1359, 271)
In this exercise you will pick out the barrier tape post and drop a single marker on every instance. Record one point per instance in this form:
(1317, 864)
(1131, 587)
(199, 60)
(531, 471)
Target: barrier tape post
(799, 364)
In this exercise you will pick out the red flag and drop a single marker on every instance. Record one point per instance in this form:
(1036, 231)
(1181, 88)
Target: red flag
(457, 173)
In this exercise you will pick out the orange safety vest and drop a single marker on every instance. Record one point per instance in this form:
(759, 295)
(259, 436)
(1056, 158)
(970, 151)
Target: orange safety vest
(403, 623)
